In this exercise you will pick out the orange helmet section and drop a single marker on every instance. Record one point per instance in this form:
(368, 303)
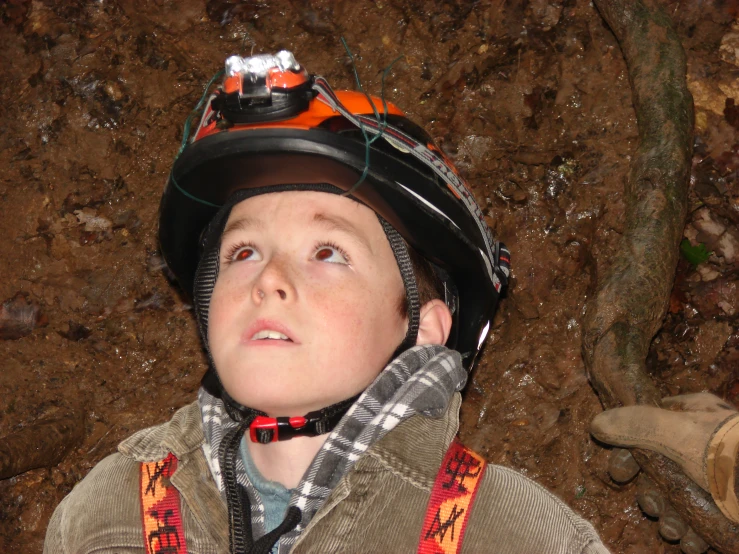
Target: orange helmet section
(317, 113)
(288, 79)
(232, 84)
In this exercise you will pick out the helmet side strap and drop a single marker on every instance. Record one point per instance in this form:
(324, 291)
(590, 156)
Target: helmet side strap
(402, 257)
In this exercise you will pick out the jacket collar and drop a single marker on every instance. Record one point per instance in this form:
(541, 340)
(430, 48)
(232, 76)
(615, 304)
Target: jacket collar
(180, 435)
(413, 451)
(184, 433)
(416, 447)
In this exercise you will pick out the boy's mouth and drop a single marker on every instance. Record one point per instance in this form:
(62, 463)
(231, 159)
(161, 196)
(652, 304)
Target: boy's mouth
(269, 334)
(268, 331)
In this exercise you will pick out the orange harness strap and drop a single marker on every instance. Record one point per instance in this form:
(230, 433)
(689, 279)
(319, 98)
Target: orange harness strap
(451, 501)
(160, 508)
(452, 497)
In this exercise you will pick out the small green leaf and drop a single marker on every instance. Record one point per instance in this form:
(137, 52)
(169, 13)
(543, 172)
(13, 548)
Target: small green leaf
(580, 491)
(696, 255)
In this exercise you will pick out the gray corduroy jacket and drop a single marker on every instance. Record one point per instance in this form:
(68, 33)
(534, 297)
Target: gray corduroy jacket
(379, 506)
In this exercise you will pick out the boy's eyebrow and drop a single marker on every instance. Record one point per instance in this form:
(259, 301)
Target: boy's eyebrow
(242, 224)
(336, 222)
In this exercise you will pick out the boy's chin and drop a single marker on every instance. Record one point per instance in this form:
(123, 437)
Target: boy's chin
(289, 400)
(269, 392)
(280, 408)
(294, 387)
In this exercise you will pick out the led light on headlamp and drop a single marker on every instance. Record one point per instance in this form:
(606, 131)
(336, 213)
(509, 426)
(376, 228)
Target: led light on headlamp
(255, 76)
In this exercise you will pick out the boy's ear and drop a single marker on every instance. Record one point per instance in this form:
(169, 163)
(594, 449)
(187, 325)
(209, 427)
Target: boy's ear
(435, 323)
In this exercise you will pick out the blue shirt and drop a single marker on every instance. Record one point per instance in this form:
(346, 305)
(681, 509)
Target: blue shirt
(275, 496)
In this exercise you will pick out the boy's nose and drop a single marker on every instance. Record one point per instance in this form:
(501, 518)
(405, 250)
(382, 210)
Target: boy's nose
(261, 294)
(273, 281)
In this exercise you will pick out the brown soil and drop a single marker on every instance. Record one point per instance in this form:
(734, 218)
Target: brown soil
(531, 100)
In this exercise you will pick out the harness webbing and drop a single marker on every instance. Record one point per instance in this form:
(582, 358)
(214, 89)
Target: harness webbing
(160, 508)
(449, 507)
(452, 497)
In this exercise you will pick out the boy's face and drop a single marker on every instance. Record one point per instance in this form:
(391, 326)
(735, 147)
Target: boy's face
(316, 268)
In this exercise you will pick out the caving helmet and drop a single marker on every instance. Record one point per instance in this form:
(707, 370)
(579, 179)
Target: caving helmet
(272, 127)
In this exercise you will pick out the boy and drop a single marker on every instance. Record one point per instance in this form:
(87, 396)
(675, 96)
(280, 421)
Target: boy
(331, 253)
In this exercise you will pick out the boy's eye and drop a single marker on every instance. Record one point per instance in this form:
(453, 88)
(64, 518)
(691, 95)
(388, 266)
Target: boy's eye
(331, 254)
(243, 253)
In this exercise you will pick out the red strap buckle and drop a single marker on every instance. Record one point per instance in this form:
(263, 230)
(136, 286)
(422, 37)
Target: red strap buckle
(278, 425)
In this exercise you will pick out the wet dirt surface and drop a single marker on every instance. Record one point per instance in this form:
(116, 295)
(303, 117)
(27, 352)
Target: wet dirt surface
(531, 100)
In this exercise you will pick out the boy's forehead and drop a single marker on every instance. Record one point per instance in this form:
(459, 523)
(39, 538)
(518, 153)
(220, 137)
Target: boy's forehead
(327, 210)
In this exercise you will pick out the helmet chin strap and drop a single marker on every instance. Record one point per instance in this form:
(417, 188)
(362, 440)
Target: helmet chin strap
(264, 429)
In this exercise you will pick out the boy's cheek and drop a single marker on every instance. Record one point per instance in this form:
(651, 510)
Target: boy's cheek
(339, 314)
(216, 326)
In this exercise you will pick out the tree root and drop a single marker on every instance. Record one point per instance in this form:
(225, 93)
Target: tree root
(43, 444)
(631, 297)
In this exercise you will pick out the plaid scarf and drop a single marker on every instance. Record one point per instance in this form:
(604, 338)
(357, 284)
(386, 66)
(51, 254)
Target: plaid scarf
(422, 380)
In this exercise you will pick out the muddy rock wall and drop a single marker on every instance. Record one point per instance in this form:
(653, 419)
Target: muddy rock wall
(531, 100)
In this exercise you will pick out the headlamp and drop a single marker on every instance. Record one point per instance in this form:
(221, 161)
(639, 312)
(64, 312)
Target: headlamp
(266, 87)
